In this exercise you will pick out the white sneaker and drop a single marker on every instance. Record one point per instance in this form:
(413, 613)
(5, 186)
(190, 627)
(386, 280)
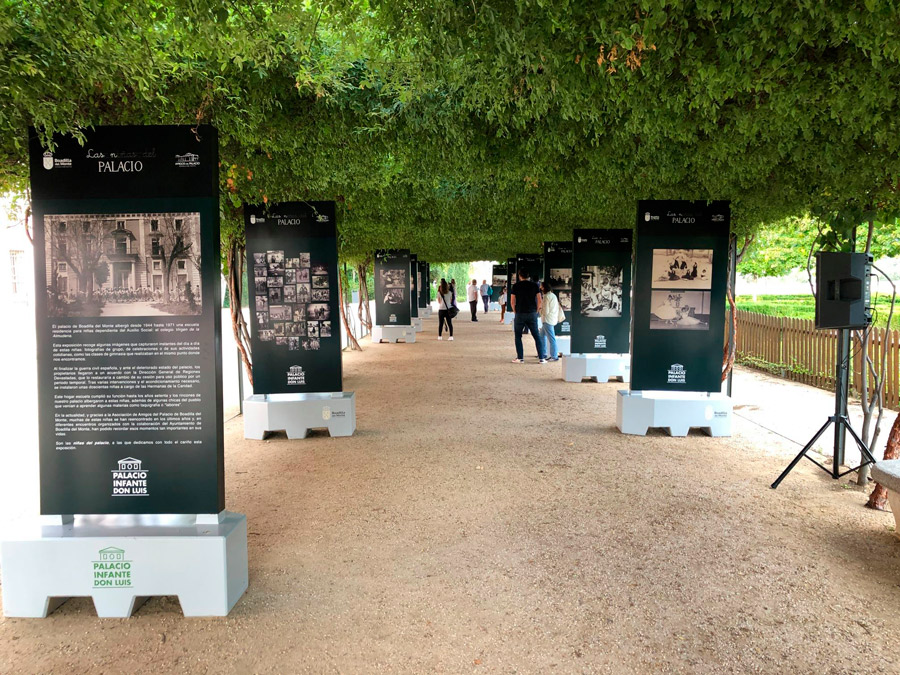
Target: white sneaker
(440, 338)
(543, 361)
(450, 338)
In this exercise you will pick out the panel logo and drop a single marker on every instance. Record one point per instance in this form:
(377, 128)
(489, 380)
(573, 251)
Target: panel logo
(51, 162)
(130, 480)
(187, 161)
(392, 318)
(322, 218)
(326, 413)
(296, 376)
(111, 569)
(648, 217)
(718, 218)
(677, 374)
(599, 342)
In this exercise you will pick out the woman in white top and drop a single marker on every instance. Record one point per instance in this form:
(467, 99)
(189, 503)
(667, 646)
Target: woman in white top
(445, 302)
(551, 314)
(502, 302)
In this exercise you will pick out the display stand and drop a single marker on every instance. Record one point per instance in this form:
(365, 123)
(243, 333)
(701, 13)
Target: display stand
(393, 334)
(564, 345)
(425, 311)
(598, 367)
(494, 306)
(417, 324)
(638, 411)
(119, 561)
(509, 318)
(296, 414)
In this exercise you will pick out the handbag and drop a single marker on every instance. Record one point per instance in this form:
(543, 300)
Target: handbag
(452, 310)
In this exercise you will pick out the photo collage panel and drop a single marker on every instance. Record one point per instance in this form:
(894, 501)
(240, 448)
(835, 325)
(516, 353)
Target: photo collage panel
(292, 300)
(601, 291)
(681, 283)
(561, 283)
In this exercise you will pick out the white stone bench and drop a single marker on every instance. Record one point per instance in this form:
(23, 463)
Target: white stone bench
(887, 472)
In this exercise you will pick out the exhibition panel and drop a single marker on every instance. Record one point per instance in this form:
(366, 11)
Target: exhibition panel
(392, 306)
(558, 274)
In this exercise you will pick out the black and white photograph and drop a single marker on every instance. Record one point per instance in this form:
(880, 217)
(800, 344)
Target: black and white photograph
(321, 295)
(303, 293)
(267, 335)
(280, 340)
(290, 294)
(291, 263)
(394, 296)
(682, 268)
(275, 257)
(293, 344)
(275, 268)
(278, 326)
(601, 291)
(299, 313)
(498, 280)
(565, 300)
(259, 258)
(296, 329)
(290, 276)
(393, 279)
(260, 270)
(276, 294)
(109, 264)
(560, 278)
(318, 312)
(303, 275)
(325, 329)
(262, 303)
(319, 269)
(320, 281)
(304, 260)
(312, 328)
(262, 320)
(311, 344)
(279, 312)
(260, 284)
(274, 281)
(680, 310)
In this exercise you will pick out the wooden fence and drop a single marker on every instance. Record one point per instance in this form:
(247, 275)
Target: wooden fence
(795, 350)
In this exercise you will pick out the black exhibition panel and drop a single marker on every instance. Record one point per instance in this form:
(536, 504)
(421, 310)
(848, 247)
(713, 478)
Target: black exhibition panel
(292, 269)
(498, 281)
(601, 291)
(126, 242)
(681, 274)
(413, 286)
(532, 263)
(558, 274)
(392, 287)
(510, 280)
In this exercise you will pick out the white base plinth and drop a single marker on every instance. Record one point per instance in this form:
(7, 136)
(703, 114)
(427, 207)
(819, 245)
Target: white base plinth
(494, 306)
(509, 318)
(296, 414)
(121, 561)
(417, 324)
(638, 411)
(393, 333)
(598, 367)
(564, 344)
(425, 312)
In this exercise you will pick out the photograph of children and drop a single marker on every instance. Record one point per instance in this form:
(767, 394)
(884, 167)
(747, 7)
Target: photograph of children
(304, 260)
(304, 294)
(280, 340)
(312, 328)
(299, 313)
(320, 281)
(275, 268)
(679, 310)
(292, 263)
(312, 344)
(293, 344)
(290, 276)
(601, 291)
(279, 313)
(303, 275)
(262, 303)
(275, 257)
(560, 278)
(276, 294)
(260, 270)
(259, 258)
(274, 281)
(290, 294)
(318, 312)
(325, 329)
(262, 320)
(266, 335)
(321, 295)
(260, 284)
(689, 268)
(565, 300)
(278, 326)
(296, 329)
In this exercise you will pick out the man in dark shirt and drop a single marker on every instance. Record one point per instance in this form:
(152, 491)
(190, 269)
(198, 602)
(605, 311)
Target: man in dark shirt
(525, 299)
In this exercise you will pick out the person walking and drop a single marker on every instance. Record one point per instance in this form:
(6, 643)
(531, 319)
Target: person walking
(526, 301)
(472, 297)
(445, 310)
(502, 302)
(453, 291)
(551, 314)
(485, 295)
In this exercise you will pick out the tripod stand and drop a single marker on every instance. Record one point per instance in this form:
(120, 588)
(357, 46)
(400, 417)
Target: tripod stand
(840, 420)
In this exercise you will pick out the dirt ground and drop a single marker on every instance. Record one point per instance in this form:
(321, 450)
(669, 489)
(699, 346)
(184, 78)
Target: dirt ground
(489, 517)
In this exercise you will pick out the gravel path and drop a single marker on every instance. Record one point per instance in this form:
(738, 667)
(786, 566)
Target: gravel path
(489, 517)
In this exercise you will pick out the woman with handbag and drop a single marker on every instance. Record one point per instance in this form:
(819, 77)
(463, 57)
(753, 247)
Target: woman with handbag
(446, 309)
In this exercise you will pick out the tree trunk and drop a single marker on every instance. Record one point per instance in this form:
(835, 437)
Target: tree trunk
(351, 338)
(234, 258)
(365, 315)
(878, 498)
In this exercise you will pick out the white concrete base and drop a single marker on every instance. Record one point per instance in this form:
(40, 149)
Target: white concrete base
(509, 318)
(638, 411)
(598, 367)
(425, 312)
(296, 414)
(493, 306)
(121, 561)
(564, 344)
(393, 333)
(417, 324)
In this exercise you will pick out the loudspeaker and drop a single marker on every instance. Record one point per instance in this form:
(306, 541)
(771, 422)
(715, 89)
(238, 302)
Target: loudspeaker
(842, 290)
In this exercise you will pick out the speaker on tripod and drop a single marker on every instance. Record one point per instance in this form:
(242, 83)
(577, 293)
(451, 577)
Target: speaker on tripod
(842, 302)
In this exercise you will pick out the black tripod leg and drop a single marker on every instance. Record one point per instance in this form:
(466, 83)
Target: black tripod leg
(862, 446)
(803, 452)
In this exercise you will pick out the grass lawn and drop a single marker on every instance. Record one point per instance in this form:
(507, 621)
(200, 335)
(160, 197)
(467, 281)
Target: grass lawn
(804, 307)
